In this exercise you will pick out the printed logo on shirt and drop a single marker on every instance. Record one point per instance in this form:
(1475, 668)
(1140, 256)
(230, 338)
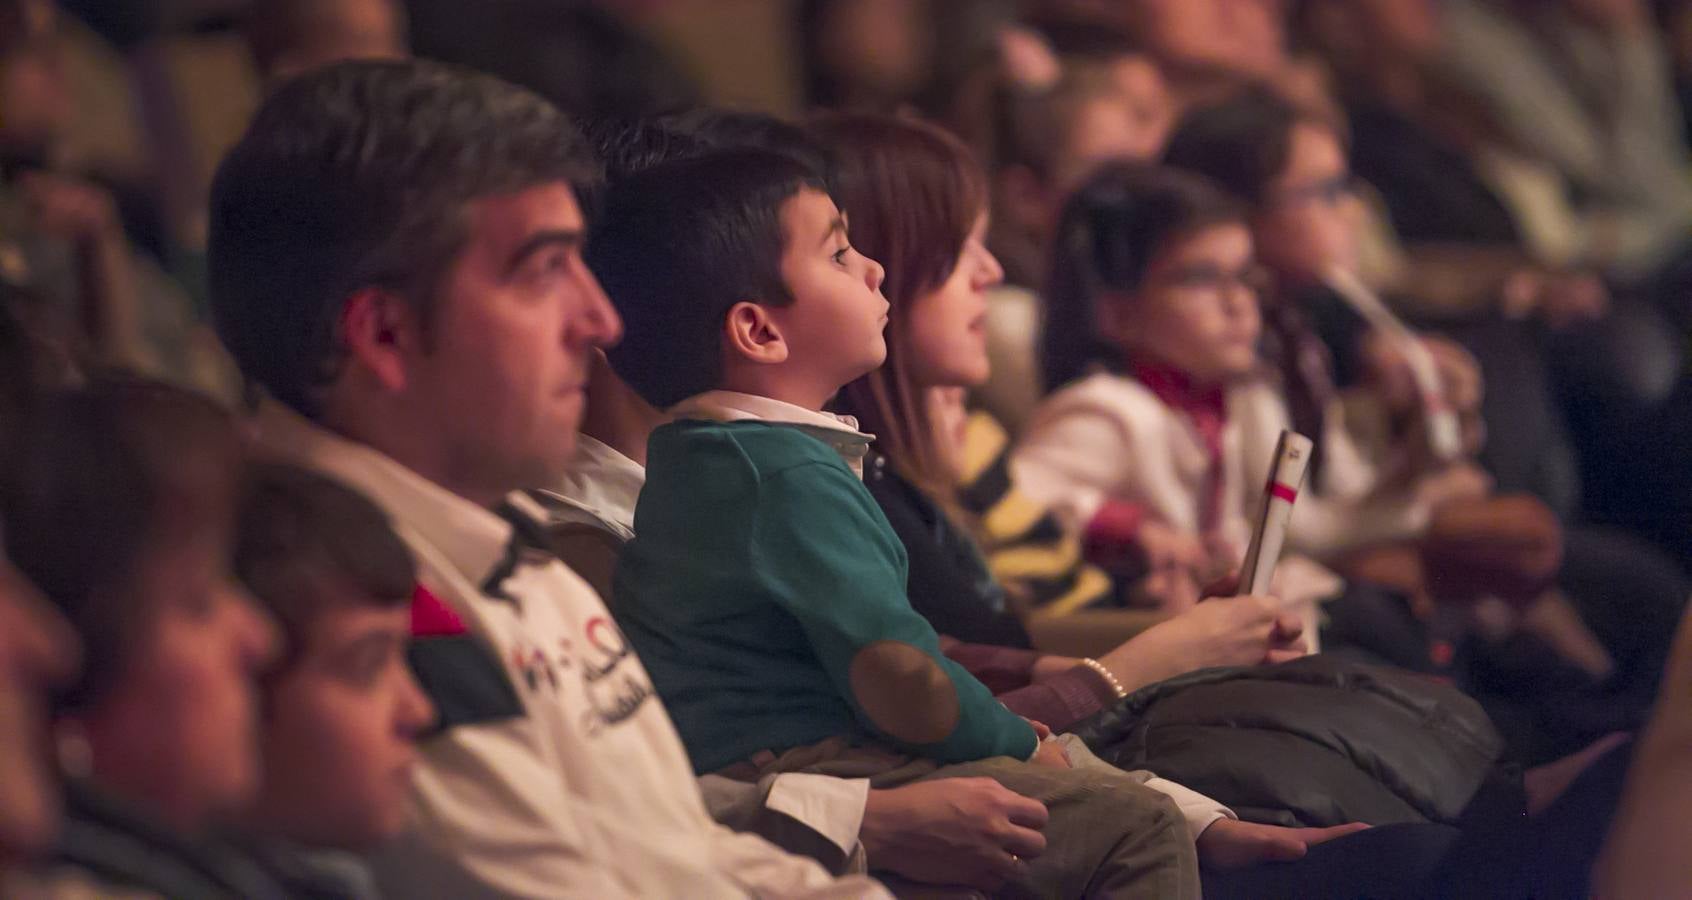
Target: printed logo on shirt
(615, 688)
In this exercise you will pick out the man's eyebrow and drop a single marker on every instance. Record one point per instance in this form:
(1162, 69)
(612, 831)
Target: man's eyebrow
(569, 238)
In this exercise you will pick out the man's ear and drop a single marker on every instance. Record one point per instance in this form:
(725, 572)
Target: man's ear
(752, 333)
(380, 332)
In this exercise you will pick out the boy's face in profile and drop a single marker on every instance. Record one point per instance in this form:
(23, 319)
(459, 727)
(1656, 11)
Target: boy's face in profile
(835, 325)
(341, 727)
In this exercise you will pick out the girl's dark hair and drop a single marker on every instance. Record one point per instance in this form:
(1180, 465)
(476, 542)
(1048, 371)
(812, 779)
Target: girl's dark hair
(1242, 143)
(93, 480)
(911, 193)
(1109, 233)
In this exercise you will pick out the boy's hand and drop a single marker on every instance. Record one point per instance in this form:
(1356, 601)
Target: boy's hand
(1051, 754)
(964, 831)
(1230, 844)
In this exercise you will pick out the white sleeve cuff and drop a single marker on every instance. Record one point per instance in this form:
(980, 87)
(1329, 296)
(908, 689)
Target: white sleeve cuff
(1200, 811)
(832, 807)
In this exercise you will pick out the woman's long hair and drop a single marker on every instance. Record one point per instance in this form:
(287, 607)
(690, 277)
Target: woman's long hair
(911, 193)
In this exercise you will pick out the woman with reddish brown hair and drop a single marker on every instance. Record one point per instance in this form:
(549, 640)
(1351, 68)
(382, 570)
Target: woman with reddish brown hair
(916, 201)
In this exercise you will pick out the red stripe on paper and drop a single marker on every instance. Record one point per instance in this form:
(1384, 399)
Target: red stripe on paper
(1277, 489)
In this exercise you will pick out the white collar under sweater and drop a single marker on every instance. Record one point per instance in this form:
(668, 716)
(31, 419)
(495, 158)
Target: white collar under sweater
(600, 487)
(839, 432)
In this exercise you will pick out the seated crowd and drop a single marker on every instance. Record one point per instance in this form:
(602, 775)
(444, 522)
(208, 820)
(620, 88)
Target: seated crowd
(696, 503)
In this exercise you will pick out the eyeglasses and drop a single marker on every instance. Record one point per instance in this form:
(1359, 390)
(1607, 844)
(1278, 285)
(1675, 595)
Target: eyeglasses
(1215, 281)
(1328, 192)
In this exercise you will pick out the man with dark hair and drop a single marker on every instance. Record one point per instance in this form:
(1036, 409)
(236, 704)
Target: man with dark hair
(395, 257)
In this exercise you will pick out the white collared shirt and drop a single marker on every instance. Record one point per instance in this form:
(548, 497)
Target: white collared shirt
(600, 489)
(587, 793)
(839, 432)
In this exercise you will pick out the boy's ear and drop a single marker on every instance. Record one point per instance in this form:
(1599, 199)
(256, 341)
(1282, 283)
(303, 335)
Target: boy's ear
(752, 333)
(380, 332)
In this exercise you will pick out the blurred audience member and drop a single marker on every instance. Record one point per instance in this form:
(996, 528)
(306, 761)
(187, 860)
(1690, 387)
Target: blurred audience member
(1644, 856)
(120, 502)
(342, 710)
(38, 654)
(288, 37)
(63, 236)
(575, 53)
(1583, 85)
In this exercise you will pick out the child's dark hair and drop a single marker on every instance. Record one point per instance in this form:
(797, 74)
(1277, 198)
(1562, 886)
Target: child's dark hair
(299, 535)
(1244, 142)
(1109, 233)
(677, 246)
(96, 477)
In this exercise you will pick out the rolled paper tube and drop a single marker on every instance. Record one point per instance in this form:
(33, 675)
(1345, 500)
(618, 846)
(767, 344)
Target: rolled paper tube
(1269, 533)
(1445, 432)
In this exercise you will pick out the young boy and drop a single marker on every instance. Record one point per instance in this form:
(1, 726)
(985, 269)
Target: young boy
(763, 587)
(342, 712)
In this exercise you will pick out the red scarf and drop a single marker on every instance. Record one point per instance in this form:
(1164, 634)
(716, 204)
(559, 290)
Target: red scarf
(1207, 409)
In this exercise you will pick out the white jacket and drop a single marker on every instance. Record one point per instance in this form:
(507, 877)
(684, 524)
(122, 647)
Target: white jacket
(582, 787)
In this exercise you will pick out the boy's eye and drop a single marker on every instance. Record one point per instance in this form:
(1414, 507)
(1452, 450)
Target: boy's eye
(840, 255)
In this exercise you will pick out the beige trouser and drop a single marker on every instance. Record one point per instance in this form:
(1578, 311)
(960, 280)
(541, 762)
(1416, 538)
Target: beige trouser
(1108, 835)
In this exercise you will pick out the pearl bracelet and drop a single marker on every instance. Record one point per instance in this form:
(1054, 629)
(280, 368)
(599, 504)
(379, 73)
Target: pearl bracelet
(1105, 673)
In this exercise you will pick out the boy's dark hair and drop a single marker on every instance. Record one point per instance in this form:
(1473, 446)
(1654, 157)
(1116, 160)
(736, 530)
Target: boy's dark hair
(299, 533)
(728, 129)
(1108, 234)
(676, 247)
(1244, 142)
(624, 147)
(92, 478)
(358, 175)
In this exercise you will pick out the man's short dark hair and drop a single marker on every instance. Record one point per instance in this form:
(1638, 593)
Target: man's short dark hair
(676, 247)
(299, 534)
(358, 175)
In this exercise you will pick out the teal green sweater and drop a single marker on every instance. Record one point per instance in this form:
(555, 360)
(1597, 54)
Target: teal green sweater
(760, 567)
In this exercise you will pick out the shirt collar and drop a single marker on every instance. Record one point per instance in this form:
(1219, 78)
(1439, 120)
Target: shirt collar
(602, 483)
(839, 432)
(1176, 389)
(473, 539)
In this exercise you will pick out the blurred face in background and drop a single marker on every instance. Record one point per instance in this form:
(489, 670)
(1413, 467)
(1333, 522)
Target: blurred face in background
(1196, 308)
(1308, 220)
(1246, 36)
(38, 652)
(176, 730)
(35, 98)
(307, 34)
(341, 724)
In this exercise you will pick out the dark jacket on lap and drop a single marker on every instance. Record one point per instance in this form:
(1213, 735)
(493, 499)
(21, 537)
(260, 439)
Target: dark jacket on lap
(1315, 742)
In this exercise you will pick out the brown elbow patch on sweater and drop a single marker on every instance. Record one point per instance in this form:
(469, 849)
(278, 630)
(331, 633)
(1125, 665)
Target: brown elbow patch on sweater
(904, 692)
